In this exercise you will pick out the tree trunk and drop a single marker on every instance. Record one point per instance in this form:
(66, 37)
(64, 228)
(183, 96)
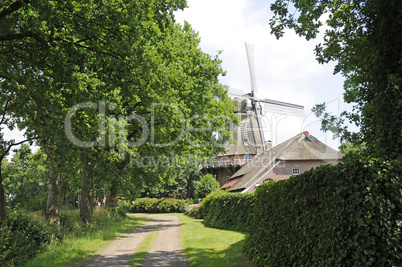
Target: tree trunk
(53, 201)
(3, 214)
(53, 191)
(111, 201)
(85, 203)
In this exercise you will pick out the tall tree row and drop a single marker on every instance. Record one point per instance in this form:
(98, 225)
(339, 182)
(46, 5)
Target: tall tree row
(121, 78)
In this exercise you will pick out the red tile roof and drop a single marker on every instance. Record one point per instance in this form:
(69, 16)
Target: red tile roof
(230, 183)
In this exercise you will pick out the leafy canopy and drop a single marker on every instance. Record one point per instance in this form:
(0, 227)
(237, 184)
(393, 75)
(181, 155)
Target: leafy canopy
(364, 38)
(206, 185)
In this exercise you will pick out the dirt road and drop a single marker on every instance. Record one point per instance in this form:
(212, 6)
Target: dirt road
(166, 251)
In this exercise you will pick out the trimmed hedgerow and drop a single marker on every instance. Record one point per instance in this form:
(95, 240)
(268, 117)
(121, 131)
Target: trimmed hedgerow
(154, 205)
(232, 211)
(343, 215)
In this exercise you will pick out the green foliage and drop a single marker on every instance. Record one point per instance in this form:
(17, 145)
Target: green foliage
(363, 38)
(154, 205)
(232, 211)
(72, 225)
(25, 179)
(334, 215)
(70, 221)
(124, 206)
(21, 239)
(193, 211)
(127, 58)
(183, 185)
(205, 186)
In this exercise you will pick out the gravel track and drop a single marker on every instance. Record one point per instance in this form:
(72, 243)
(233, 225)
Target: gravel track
(166, 250)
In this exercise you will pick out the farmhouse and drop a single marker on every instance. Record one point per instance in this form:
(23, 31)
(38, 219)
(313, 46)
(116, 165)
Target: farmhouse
(292, 157)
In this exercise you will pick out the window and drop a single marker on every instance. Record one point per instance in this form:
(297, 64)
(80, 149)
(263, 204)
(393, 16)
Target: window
(296, 171)
(247, 158)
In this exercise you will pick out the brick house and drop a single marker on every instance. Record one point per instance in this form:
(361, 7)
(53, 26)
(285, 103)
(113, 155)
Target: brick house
(292, 157)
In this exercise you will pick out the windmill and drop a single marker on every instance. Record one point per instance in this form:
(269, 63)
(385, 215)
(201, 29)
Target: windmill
(249, 135)
(272, 106)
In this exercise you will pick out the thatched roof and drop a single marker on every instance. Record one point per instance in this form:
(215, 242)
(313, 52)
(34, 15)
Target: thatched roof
(299, 147)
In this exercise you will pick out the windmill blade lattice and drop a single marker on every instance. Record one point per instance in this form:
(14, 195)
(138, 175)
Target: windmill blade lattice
(250, 59)
(283, 108)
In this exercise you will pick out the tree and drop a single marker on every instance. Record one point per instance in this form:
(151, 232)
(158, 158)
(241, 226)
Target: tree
(206, 185)
(5, 147)
(364, 38)
(25, 179)
(128, 55)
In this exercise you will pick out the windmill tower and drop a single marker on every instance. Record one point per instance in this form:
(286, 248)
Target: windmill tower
(249, 135)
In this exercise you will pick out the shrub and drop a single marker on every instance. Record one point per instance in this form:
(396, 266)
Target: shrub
(193, 211)
(70, 221)
(124, 205)
(21, 239)
(146, 205)
(232, 211)
(154, 205)
(205, 186)
(343, 215)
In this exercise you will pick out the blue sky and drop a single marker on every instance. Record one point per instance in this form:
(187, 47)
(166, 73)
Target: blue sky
(286, 69)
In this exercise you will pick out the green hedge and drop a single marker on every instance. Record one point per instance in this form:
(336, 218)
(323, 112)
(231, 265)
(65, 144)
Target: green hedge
(154, 205)
(232, 211)
(343, 215)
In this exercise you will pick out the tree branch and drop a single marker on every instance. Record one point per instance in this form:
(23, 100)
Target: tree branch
(14, 144)
(4, 111)
(115, 55)
(20, 36)
(7, 10)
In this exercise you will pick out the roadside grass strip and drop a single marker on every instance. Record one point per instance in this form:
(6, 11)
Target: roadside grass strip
(143, 248)
(205, 247)
(73, 251)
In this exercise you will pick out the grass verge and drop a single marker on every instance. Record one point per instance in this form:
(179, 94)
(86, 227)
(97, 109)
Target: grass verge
(143, 248)
(212, 247)
(74, 251)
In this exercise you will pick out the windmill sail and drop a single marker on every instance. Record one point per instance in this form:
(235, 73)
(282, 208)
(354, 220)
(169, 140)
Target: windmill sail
(283, 108)
(250, 59)
(256, 106)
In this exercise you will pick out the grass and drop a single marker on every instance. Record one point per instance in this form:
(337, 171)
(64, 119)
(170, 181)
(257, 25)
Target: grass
(212, 247)
(203, 246)
(74, 251)
(143, 248)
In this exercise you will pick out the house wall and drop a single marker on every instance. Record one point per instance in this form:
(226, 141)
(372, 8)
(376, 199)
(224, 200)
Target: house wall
(284, 169)
(221, 175)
